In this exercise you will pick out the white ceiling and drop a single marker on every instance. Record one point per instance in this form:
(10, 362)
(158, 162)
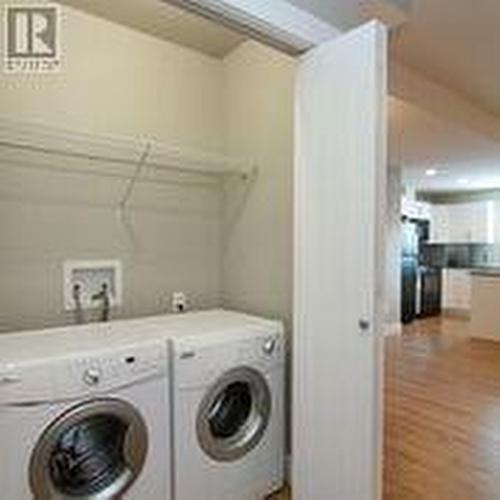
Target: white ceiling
(419, 141)
(341, 13)
(164, 21)
(457, 43)
(346, 14)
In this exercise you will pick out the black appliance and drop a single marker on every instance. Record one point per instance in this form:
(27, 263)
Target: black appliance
(421, 284)
(409, 241)
(430, 292)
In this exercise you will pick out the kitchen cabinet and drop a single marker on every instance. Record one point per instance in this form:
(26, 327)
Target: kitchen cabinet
(485, 310)
(461, 223)
(415, 209)
(457, 291)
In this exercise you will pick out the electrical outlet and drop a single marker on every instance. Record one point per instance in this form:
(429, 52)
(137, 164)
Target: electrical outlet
(179, 302)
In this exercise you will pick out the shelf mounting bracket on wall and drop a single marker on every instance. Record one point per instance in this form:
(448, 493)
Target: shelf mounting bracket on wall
(133, 180)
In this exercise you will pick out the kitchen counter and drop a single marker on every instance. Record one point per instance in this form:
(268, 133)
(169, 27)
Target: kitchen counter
(485, 303)
(486, 271)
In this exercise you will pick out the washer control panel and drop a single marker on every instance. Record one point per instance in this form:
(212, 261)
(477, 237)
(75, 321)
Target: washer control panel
(122, 366)
(74, 375)
(9, 374)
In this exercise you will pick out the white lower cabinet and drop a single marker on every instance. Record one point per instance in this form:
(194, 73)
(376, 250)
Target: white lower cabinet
(457, 291)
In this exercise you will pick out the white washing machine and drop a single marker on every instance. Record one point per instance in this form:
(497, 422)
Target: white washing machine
(92, 425)
(228, 408)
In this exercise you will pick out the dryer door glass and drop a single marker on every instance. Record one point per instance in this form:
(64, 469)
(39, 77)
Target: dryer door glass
(234, 414)
(230, 410)
(95, 450)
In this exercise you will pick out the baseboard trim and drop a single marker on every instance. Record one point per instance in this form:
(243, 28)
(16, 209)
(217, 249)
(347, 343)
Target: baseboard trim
(288, 468)
(456, 313)
(393, 329)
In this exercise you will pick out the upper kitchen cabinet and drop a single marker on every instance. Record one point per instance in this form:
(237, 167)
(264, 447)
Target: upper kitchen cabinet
(462, 223)
(414, 209)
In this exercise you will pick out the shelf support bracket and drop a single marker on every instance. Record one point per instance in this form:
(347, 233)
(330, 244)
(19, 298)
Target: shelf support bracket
(133, 180)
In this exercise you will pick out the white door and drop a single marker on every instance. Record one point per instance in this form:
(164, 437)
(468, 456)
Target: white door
(339, 217)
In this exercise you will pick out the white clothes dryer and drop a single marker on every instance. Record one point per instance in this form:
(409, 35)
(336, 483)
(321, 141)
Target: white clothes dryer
(228, 409)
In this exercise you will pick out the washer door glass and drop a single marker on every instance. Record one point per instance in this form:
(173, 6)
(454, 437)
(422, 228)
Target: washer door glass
(234, 414)
(93, 451)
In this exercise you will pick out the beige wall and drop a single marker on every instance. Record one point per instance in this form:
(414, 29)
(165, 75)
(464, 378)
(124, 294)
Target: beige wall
(113, 81)
(393, 249)
(116, 80)
(257, 252)
(120, 82)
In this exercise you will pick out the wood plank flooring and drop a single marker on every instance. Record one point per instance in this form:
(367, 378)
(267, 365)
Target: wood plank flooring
(442, 411)
(442, 415)
(284, 495)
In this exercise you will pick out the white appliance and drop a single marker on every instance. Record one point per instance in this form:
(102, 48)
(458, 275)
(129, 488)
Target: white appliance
(82, 421)
(228, 407)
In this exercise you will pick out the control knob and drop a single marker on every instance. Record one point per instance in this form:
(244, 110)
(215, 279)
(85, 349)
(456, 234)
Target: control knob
(92, 376)
(269, 346)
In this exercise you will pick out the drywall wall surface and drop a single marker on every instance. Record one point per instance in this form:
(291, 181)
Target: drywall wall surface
(393, 249)
(112, 81)
(257, 249)
(116, 80)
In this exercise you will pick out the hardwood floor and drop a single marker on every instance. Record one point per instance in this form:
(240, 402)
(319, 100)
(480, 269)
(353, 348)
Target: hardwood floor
(442, 410)
(284, 495)
(442, 414)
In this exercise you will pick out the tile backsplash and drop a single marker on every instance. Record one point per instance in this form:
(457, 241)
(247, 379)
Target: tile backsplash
(460, 255)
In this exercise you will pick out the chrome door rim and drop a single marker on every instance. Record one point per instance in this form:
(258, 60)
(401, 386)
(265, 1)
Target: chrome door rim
(251, 432)
(134, 449)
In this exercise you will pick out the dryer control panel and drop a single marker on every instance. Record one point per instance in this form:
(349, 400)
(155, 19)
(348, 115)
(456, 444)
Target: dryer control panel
(74, 376)
(198, 360)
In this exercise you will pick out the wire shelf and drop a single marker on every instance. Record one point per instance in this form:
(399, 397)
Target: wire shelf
(134, 160)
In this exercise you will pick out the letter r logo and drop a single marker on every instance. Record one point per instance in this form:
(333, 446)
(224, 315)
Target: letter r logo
(31, 32)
